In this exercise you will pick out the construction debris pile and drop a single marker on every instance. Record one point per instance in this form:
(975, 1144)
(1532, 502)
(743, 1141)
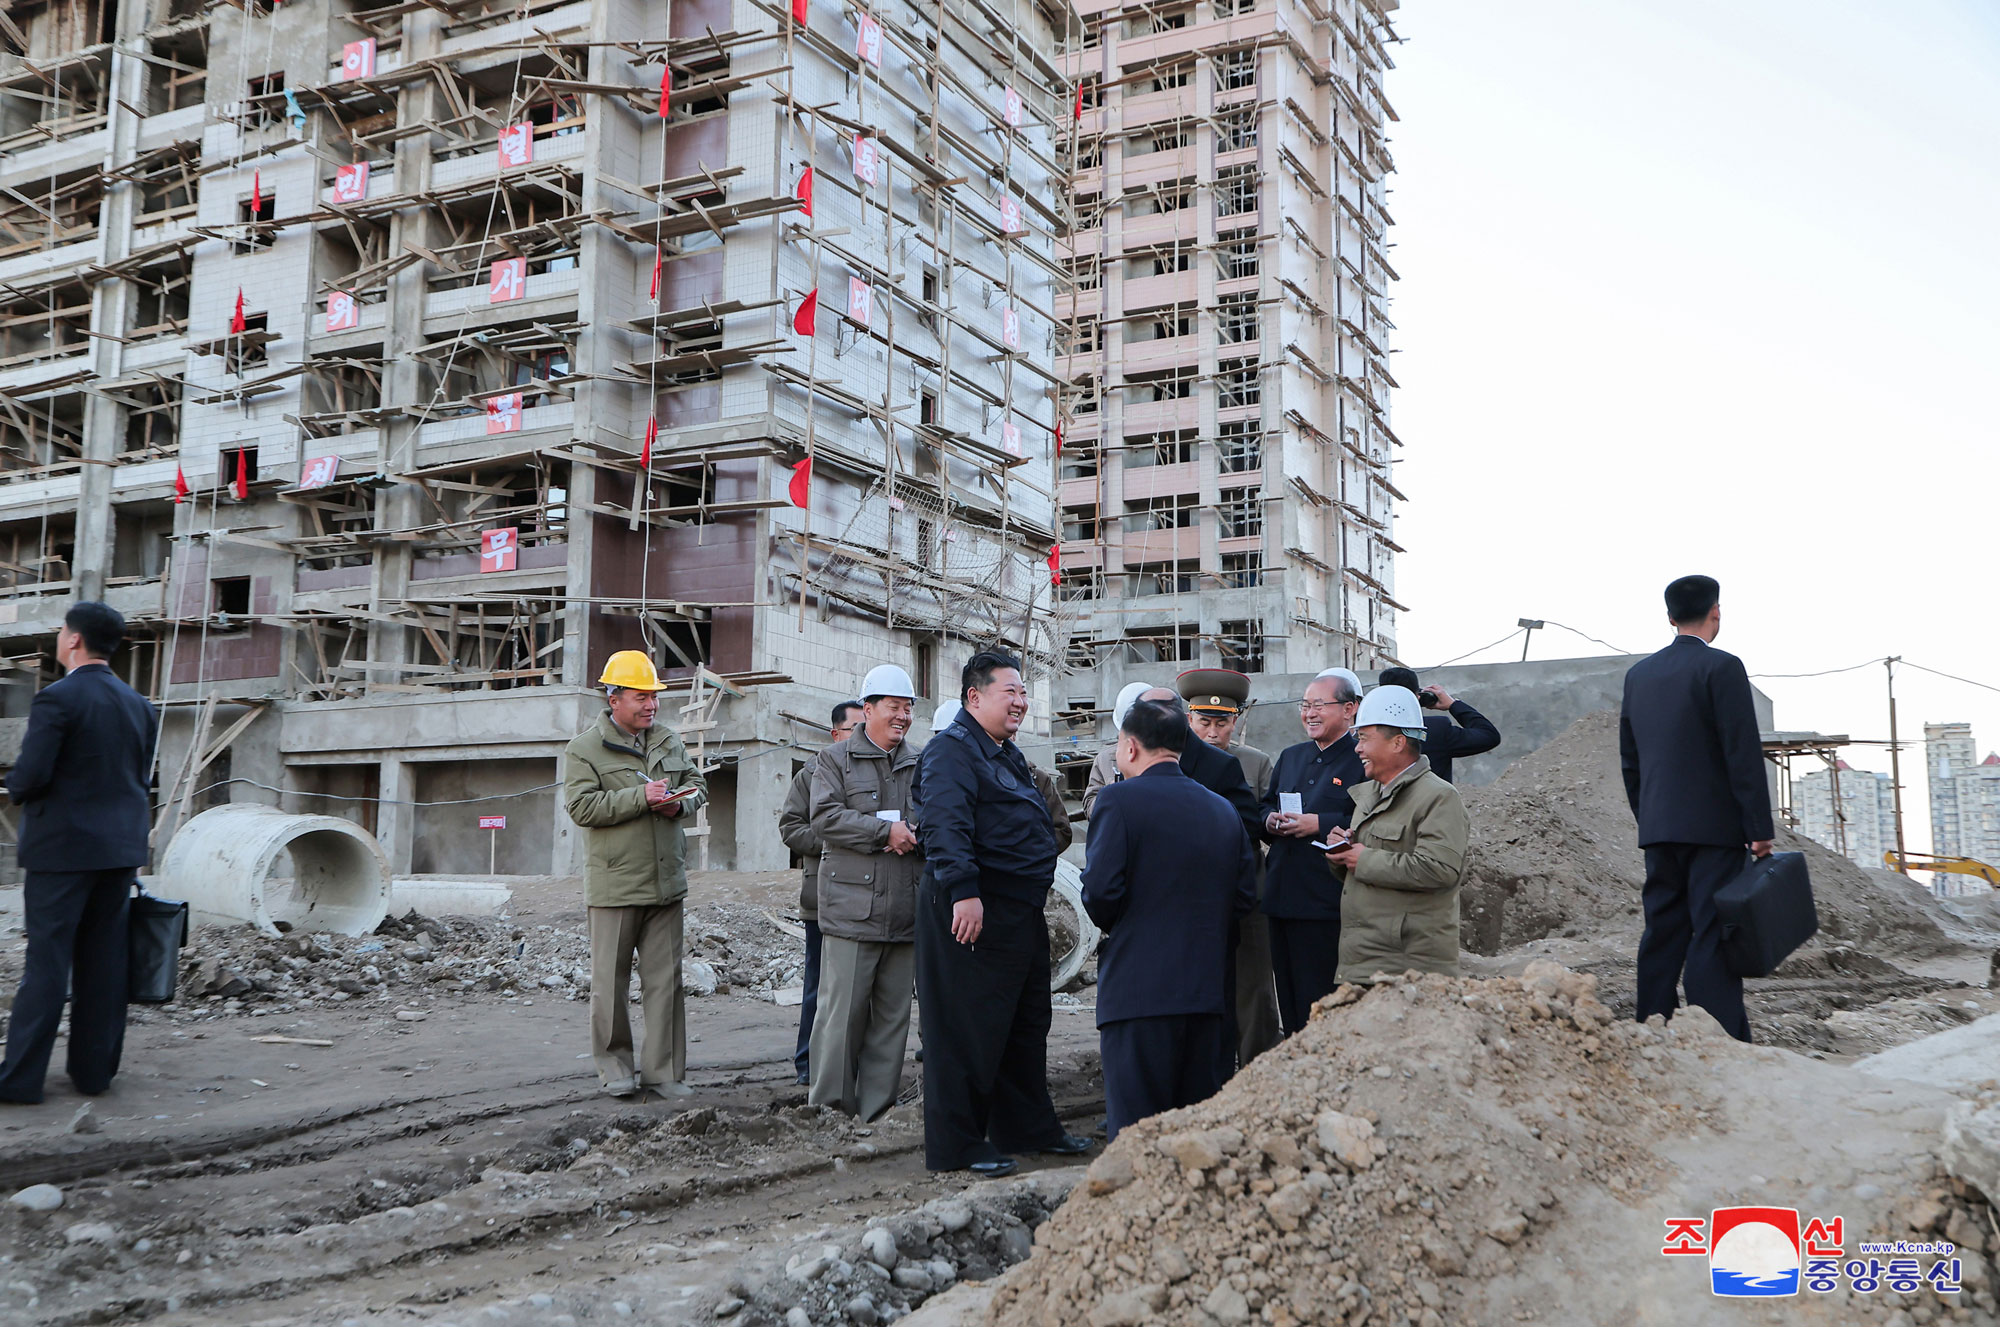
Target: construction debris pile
(1434, 1150)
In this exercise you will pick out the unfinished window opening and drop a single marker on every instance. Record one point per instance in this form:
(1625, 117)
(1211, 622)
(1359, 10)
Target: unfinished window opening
(926, 656)
(1079, 524)
(230, 595)
(1158, 19)
(47, 322)
(1089, 155)
(55, 98)
(927, 406)
(166, 181)
(334, 521)
(461, 366)
(265, 104)
(49, 213)
(177, 70)
(1160, 138)
(142, 541)
(1235, 69)
(249, 347)
(1081, 583)
(1178, 577)
(1086, 338)
(1240, 514)
(531, 218)
(1239, 446)
(238, 464)
(1168, 78)
(1236, 261)
(1238, 383)
(1236, 318)
(1168, 511)
(1242, 571)
(1080, 462)
(1236, 130)
(1145, 200)
(1174, 448)
(1173, 384)
(341, 392)
(1164, 325)
(254, 216)
(558, 115)
(1156, 645)
(1084, 393)
(1085, 273)
(1234, 8)
(1242, 646)
(1236, 190)
(1163, 261)
(515, 92)
(529, 497)
(152, 420)
(37, 555)
(39, 431)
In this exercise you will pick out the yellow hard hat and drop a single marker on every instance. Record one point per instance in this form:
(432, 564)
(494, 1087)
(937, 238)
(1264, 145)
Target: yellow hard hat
(631, 669)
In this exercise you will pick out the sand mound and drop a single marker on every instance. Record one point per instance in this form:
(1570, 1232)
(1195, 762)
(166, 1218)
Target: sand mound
(1555, 854)
(1443, 1150)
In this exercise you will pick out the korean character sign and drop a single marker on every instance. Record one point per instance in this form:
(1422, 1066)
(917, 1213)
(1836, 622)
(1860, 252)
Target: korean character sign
(1010, 328)
(342, 313)
(1012, 111)
(499, 551)
(860, 301)
(1010, 216)
(357, 59)
(350, 183)
(507, 281)
(319, 472)
(1010, 439)
(517, 144)
(868, 40)
(503, 413)
(867, 159)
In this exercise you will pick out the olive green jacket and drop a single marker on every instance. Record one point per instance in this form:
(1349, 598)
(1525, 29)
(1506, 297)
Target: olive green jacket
(866, 892)
(1399, 906)
(637, 856)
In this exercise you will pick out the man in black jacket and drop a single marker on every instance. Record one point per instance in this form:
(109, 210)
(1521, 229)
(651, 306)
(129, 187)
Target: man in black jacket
(1170, 870)
(1694, 772)
(990, 852)
(82, 780)
(1472, 734)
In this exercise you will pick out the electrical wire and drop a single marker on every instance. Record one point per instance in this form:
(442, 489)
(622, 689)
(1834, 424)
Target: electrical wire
(1952, 676)
(1827, 672)
(1482, 649)
(1551, 622)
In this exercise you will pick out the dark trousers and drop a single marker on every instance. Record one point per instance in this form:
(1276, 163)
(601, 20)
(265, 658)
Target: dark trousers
(1682, 944)
(1159, 1064)
(76, 948)
(985, 1015)
(1255, 1010)
(1304, 956)
(810, 1004)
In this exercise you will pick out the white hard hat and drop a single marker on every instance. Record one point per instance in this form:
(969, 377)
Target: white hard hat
(1128, 693)
(944, 715)
(888, 680)
(1392, 707)
(1353, 682)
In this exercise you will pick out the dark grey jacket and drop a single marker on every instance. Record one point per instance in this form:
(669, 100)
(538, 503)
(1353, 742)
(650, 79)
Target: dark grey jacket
(795, 828)
(866, 892)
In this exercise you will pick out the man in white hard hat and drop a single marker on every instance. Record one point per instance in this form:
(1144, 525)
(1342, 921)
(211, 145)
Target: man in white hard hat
(1405, 851)
(631, 785)
(865, 815)
(1104, 769)
(1308, 797)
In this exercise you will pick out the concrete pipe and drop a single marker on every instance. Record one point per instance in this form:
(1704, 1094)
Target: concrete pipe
(1072, 935)
(255, 864)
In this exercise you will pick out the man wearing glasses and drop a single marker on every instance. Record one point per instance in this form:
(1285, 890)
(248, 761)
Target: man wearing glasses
(990, 846)
(1308, 800)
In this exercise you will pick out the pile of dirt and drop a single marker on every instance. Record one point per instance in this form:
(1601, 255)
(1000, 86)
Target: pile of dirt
(739, 947)
(1433, 1150)
(1554, 853)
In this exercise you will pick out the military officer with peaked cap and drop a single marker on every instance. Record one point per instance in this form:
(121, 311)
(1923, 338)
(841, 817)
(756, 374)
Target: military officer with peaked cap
(1216, 699)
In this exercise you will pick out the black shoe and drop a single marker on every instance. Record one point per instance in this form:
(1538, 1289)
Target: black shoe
(1070, 1146)
(804, 1079)
(994, 1170)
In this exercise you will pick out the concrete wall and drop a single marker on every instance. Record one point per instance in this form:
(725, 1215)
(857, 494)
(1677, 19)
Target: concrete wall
(448, 840)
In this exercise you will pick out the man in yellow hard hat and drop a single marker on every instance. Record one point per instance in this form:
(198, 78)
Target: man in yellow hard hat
(631, 786)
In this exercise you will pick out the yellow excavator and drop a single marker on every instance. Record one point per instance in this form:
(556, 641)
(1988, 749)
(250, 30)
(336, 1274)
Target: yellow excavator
(1923, 861)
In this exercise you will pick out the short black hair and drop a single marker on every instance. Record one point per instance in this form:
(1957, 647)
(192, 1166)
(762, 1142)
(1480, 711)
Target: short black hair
(1156, 726)
(101, 626)
(1399, 677)
(840, 711)
(1690, 598)
(979, 669)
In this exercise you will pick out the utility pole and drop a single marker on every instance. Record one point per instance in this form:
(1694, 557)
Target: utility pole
(1896, 765)
(1532, 625)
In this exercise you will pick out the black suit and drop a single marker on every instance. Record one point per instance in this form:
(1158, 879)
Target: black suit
(82, 782)
(1444, 741)
(1170, 869)
(1301, 892)
(1694, 773)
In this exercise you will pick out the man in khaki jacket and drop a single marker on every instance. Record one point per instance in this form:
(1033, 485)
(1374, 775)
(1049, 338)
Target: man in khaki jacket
(631, 786)
(795, 828)
(1405, 853)
(865, 815)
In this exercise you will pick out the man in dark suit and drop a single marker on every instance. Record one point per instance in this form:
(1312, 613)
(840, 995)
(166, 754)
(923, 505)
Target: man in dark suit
(1170, 869)
(1694, 773)
(82, 780)
(1466, 732)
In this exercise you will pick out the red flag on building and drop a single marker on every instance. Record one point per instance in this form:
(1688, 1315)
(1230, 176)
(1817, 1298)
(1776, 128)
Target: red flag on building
(652, 433)
(807, 317)
(805, 190)
(799, 11)
(654, 293)
(1058, 442)
(181, 489)
(800, 489)
(256, 193)
(666, 91)
(1055, 564)
(242, 484)
(236, 320)
(1079, 102)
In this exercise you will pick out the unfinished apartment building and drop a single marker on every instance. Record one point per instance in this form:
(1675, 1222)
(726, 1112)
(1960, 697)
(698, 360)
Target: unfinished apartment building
(391, 365)
(1226, 492)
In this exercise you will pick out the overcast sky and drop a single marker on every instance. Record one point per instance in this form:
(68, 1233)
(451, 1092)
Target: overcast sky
(1709, 286)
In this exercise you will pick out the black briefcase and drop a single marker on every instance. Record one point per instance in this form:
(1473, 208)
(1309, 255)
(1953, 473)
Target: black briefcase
(155, 930)
(1766, 913)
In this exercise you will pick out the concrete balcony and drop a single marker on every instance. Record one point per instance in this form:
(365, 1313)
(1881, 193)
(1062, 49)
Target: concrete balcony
(1183, 226)
(1137, 294)
(1078, 492)
(1158, 416)
(1155, 481)
(1163, 46)
(1143, 546)
(1160, 353)
(1156, 167)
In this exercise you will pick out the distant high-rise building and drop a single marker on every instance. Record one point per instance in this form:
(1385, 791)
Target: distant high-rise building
(1964, 799)
(1865, 825)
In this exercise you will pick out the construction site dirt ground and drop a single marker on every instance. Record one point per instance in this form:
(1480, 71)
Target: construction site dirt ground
(448, 1160)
